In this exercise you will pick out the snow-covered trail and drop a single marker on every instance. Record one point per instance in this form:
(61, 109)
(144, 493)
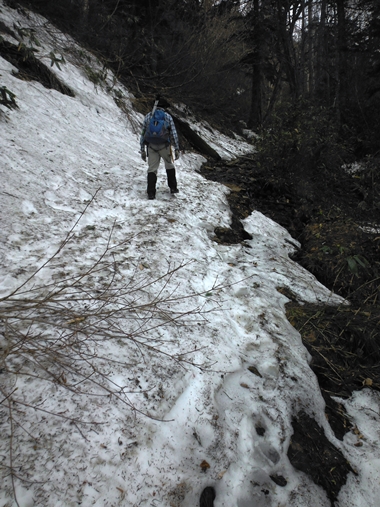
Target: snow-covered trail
(60, 154)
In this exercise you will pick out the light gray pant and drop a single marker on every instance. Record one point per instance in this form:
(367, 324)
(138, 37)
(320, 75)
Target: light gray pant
(155, 153)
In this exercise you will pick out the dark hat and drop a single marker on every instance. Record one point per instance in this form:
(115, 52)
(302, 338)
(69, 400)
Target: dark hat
(162, 102)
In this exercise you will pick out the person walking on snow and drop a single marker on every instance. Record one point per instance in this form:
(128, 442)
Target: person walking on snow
(159, 135)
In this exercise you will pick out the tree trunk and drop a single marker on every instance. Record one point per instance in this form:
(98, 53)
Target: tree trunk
(255, 116)
(302, 55)
(322, 90)
(85, 9)
(341, 92)
(287, 56)
(311, 31)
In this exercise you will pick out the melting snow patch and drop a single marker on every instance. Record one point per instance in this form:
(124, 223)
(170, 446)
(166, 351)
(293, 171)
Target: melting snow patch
(147, 354)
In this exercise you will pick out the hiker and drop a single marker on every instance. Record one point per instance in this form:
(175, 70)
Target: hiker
(159, 135)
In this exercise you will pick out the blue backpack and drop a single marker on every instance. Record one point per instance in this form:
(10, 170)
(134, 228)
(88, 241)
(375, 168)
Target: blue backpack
(158, 129)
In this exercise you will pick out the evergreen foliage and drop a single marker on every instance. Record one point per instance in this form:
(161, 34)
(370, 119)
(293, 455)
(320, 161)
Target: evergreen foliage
(302, 147)
(7, 98)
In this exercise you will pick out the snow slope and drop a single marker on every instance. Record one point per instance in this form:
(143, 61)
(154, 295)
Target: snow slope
(164, 323)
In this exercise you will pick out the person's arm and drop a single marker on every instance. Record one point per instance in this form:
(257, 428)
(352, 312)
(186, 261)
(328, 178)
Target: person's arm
(173, 133)
(144, 127)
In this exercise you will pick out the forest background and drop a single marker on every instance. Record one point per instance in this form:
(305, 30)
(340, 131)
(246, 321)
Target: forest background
(243, 60)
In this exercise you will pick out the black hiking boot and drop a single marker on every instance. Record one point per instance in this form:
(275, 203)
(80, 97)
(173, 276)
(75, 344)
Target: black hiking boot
(172, 181)
(151, 189)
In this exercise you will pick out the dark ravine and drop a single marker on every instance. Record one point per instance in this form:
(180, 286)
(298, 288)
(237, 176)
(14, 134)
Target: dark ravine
(335, 219)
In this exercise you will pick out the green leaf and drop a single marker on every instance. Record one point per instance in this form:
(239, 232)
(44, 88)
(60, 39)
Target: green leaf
(352, 265)
(362, 261)
(56, 61)
(7, 98)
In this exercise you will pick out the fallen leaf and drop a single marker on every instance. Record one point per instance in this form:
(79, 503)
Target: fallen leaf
(76, 320)
(357, 432)
(204, 466)
(255, 371)
(233, 187)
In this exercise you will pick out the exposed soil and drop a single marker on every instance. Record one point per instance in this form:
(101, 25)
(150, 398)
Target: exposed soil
(308, 447)
(340, 237)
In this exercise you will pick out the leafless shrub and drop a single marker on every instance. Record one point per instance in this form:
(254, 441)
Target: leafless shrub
(63, 334)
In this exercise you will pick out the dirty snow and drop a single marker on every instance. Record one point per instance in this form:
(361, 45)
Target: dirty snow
(163, 322)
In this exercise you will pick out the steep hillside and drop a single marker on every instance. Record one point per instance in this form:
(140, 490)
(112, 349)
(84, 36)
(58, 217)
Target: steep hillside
(143, 361)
